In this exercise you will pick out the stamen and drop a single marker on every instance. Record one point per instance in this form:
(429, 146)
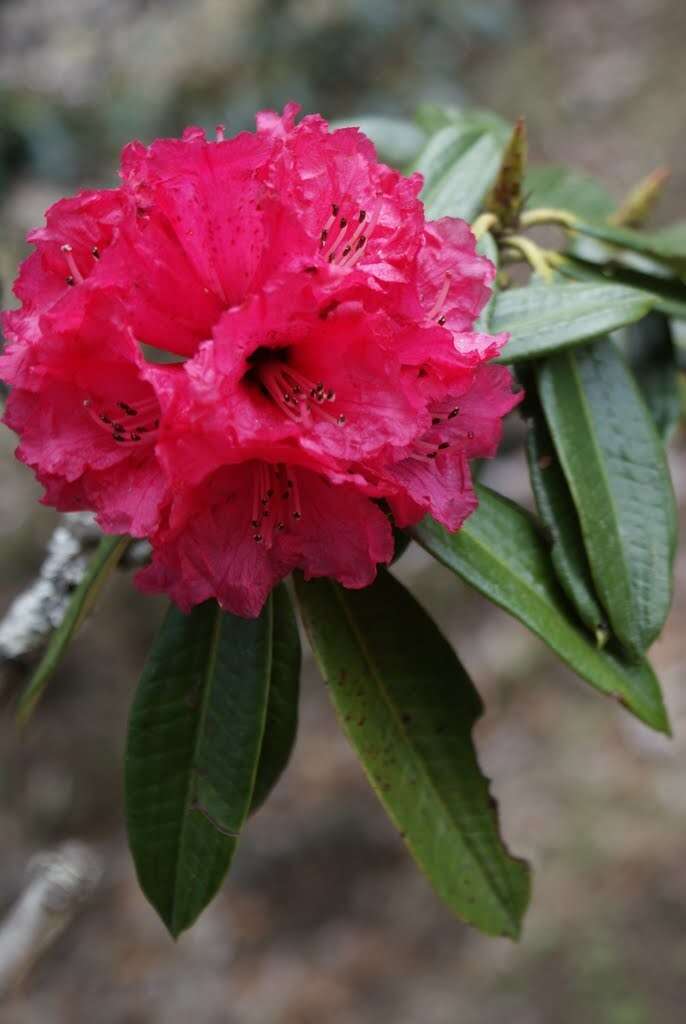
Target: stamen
(95, 252)
(295, 496)
(424, 449)
(74, 272)
(267, 525)
(441, 297)
(138, 428)
(274, 382)
(346, 248)
(330, 254)
(297, 396)
(359, 240)
(362, 216)
(330, 222)
(275, 501)
(445, 411)
(219, 133)
(255, 517)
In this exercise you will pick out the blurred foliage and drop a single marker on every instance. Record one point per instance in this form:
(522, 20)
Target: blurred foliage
(341, 58)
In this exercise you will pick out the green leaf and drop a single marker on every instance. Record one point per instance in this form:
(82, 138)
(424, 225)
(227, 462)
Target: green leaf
(615, 466)
(194, 741)
(562, 187)
(431, 118)
(545, 318)
(667, 246)
(281, 723)
(397, 141)
(499, 551)
(557, 512)
(104, 561)
(459, 166)
(650, 352)
(486, 246)
(408, 708)
(668, 293)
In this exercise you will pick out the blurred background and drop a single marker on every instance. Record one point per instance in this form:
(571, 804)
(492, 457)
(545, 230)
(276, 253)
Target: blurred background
(324, 918)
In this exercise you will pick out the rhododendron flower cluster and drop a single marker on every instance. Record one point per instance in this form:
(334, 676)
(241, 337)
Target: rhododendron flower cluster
(254, 352)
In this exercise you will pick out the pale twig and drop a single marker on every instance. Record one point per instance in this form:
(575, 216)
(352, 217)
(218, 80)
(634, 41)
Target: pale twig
(59, 882)
(41, 607)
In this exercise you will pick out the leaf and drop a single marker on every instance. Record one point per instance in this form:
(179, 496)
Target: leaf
(408, 708)
(649, 349)
(564, 188)
(281, 722)
(194, 741)
(616, 469)
(397, 141)
(486, 246)
(668, 293)
(557, 512)
(431, 118)
(458, 167)
(667, 245)
(499, 551)
(104, 561)
(545, 318)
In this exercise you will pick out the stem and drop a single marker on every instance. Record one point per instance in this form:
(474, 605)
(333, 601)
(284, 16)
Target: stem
(483, 223)
(555, 259)
(533, 254)
(548, 215)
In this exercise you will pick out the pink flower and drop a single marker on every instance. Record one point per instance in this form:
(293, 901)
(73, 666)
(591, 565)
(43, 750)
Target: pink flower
(251, 352)
(86, 409)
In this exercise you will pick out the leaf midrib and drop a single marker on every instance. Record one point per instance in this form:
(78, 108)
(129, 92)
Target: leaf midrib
(507, 901)
(586, 527)
(208, 673)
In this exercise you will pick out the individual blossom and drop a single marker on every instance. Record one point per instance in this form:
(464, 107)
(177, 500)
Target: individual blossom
(68, 251)
(84, 405)
(291, 348)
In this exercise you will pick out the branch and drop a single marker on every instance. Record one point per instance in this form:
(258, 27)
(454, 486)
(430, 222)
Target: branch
(41, 607)
(59, 882)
